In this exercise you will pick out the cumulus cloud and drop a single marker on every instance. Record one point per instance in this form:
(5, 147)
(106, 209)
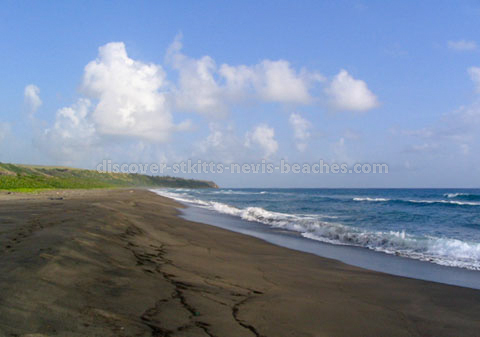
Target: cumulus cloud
(216, 139)
(456, 130)
(474, 73)
(263, 137)
(209, 89)
(32, 99)
(300, 130)
(125, 101)
(462, 45)
(221, 144)
(348, 93)
(278, 82)
(130, 100)
(466, 118)
(198, 89)
(72, 134)
(271, 81)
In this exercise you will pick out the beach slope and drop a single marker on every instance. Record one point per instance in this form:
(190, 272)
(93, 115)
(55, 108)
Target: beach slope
(122, 263)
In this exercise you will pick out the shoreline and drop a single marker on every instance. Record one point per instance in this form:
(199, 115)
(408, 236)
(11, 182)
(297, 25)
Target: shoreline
(124, 263)
(351, 255)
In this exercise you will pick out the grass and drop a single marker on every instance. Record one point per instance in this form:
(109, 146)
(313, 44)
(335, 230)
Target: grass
(29, 178)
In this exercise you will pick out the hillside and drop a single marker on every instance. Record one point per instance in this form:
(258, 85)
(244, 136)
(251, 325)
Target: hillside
(29, 178)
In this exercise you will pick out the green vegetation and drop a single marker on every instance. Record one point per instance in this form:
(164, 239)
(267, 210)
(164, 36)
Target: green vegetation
(26, 178)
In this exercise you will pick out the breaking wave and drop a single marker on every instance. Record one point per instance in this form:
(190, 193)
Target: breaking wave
(424, 202)
(443, 251)
(463, 196)
(371, 199)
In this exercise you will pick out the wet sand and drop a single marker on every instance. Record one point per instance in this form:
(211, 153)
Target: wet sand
(122, 263)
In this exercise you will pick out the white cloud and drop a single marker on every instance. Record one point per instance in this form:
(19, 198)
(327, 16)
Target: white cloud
(238, 81)
(461, 125)
(422, 133)
(474, 73)
(129, 96)
(300, 130)
(348, 93)
(72, 135)
(71, 122)
(186, 125)
(276, 81)
(210, 90)
(456, 131)
(462, 45)
(270, 81)
(126, 101)
(458, 128)
(422, 148)
(32, 98)
(198, 89)
(222, 144)
(216, 139)
(340, 152)
(264, 137)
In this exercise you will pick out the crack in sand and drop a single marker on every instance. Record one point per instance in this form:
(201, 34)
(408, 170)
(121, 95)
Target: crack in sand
(158, 260)
(241, 322)
(144, 258)
(146, 317)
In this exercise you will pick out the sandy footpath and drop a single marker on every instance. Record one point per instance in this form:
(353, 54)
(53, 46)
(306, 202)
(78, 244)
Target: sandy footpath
(121, 263)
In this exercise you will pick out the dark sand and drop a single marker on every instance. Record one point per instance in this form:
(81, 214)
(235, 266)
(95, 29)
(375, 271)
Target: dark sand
(121, 263)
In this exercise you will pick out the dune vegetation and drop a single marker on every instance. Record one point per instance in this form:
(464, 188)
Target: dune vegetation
(27, 178)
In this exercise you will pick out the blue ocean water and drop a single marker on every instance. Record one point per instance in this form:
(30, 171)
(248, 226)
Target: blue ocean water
(441, 226)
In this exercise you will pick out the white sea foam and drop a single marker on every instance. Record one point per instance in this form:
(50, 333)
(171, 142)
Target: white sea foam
(371, 199)
(451, 202)
(238, 192)
(454, 195)
(182, 197)
(443, 251)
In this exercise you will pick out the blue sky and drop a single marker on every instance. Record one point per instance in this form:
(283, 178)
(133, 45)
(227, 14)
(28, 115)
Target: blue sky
(348, 81)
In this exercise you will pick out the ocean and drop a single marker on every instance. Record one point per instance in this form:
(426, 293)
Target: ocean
(440, 226)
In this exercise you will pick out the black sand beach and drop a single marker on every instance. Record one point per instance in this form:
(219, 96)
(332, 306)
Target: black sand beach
(122, 263)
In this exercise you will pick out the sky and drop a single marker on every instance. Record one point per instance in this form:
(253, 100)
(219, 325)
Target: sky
(394, 82)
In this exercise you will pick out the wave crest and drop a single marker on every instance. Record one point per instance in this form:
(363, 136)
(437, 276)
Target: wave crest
(463, 196)
(371, 199)
(425, 202)
(443, 251)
